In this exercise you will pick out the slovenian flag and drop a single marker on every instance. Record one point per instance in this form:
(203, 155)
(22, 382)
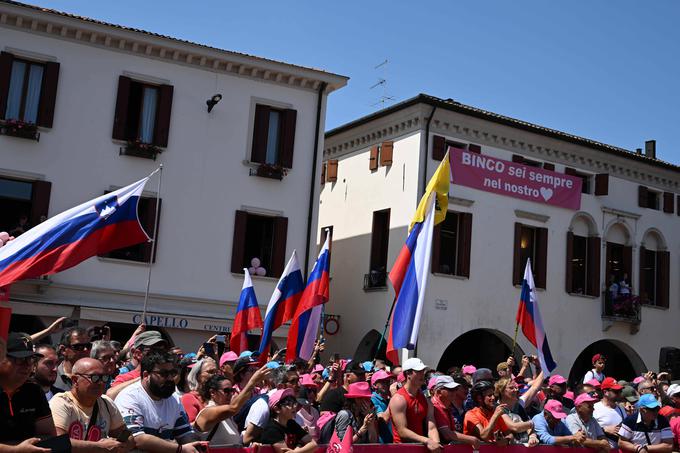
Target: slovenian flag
(247, 316)
(529, 317)
(305, 327)
(96, 227)
(285, 298)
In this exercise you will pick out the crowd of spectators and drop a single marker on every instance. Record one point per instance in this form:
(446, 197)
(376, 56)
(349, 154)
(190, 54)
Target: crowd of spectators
(144, 394)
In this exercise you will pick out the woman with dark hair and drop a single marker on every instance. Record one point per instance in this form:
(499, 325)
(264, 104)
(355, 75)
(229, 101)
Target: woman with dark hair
(214, 422)
(281, 431)
(358, 413)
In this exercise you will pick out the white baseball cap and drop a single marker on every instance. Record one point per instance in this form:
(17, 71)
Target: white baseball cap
(414, 364)
(673, 389)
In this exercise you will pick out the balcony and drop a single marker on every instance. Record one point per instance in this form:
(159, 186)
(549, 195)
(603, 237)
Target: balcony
(375, 280)
(622, 309)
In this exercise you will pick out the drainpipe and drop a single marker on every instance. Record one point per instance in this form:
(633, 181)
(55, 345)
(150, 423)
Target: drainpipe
(313, 187)
(427, 142)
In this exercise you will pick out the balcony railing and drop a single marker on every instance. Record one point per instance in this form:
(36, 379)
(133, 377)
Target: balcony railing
(622, 309)
(375, 280)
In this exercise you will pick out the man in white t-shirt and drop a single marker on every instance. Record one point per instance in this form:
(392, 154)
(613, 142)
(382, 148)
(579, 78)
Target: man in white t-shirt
(608, 413)
(154, 417)
(597, 372)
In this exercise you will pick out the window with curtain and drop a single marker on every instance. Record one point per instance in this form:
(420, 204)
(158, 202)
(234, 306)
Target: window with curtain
(25, 86)
(272, 155)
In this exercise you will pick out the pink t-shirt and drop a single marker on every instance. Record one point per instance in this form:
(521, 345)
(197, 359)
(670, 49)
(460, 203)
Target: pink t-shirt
(675, 428)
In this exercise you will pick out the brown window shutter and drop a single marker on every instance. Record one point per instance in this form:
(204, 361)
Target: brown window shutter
(332, 170)
(642, 285)
(668, 202)
(570, 255)
(148, 219)
(570, 171)
(548, 166)
(516, 158)
(323, 173)
(48, 94)
(238, 247)
(602, 184)
(6, 59)
(386, 153)
(438, 147)
(516, 259)
(662, 278)
(642, 196)
(464, 244)
(373, 158)
(436, 245)
(474, 148)
(593, 260)
(279, 247)
(120, 118)
(679, 205)
(162, 129)
(260, 133)
(40, 201)
(541, 266)
(287, 139)
(628, 261)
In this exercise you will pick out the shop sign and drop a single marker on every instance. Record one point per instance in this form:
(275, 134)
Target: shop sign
(514, 179)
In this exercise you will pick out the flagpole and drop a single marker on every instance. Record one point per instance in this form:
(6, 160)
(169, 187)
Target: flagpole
(387, 323)
(514, 340)
(153, 241)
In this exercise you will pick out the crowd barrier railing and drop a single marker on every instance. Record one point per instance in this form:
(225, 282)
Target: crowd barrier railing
(418, 448)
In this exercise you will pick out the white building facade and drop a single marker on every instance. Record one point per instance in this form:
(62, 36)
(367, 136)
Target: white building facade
(111, 104)
(626, 228)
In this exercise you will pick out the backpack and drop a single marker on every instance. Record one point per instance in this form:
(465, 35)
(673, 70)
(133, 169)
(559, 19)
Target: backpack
(242, 414)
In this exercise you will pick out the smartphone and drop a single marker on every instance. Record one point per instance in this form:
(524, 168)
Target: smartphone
(124, 436)
(221, 338)
(221, 346)
(58, 444)
(208, 349)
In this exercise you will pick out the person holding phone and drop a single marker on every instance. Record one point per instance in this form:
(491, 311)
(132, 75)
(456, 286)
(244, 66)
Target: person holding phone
(92, 421)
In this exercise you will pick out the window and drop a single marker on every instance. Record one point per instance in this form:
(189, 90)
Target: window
(380, 236)
(262, 237)
(273, 136)
(23, 204)
(141, 253)
(530, 243)
(451, 245)
(582, 267)
(648, 198)
(654, 277)
(142, 112)
(585, 179)
(27, 90)
(619, 263)
(440, 146)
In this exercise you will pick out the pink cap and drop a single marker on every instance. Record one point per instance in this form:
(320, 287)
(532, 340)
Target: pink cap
(279, 395)
(343, 364)
(594, 383)
(229, 356)
(584, 398)
(556, 379)
(552, 406)
(431, 382)
(379, 376)
(359, 390)
(307, 381)
(469, 369)
(318, 368)
(638, 379)
(401, 377)
(569, 395)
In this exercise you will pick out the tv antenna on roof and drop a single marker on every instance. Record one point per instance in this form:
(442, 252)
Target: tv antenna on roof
(382, 81)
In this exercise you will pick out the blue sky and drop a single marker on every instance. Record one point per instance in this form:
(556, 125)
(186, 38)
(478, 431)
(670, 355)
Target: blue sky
(606, 70)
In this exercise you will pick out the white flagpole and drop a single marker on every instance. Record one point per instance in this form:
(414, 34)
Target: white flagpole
(153, 241)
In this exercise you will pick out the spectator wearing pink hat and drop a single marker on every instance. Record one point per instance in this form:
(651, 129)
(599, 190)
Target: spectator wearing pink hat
(227, 362)
(550, 428)
(468, 371)
(607, 412)
(582, 420)
(308, 415)
(358, 413)
(557, 387)
(380, 382)
(597, 372)
(281, 431)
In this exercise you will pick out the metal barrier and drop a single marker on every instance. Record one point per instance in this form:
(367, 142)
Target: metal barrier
(418, 448)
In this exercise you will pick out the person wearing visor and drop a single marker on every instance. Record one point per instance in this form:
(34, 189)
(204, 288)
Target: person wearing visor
(282, 431)
(647, 431)
(24, 412)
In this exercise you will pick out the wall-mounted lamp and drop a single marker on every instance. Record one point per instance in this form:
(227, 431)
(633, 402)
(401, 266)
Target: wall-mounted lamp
(212, 102)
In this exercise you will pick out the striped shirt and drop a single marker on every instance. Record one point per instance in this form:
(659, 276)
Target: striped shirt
(635, 431)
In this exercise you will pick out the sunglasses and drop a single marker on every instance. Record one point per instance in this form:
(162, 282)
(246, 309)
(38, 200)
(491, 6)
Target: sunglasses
(166, 373)
(96, 378)
(81, 346)
(227, 391)
(289, 402)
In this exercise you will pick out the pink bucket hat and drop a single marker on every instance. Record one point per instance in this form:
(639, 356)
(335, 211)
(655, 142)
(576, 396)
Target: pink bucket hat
(358, 390)
(318, 369)
(379, 376)
(229, 356)
(307, 381)
(279, 395)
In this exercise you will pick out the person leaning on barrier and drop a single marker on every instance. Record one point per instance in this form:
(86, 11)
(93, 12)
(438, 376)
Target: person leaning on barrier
(515, 417)
(281, 431)
(485, 420)
(582, 420)
(550, 428)
(647, 431)
(444, 389)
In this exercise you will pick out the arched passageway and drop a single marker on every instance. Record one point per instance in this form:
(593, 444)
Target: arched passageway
(622, 362)
(483, 348)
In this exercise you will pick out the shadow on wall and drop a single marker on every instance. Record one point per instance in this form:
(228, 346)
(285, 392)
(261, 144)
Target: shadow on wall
(622, 361)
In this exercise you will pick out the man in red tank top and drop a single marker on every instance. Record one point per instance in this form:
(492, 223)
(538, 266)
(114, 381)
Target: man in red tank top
(412, 414)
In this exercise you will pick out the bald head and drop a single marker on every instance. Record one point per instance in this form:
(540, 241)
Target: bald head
(88, 366)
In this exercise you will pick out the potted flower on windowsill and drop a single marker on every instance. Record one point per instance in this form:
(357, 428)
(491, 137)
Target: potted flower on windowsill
(141, 149)
(21, 129)
(273, 171)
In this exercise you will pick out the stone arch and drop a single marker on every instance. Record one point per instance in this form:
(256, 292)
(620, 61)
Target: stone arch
(623, 362)
(583, 224)
(618, 231)
(483, 348)
(653, 239)
(367, 349)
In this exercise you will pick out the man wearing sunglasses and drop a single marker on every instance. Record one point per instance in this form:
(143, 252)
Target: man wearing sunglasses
(74, 345)
(145, 343)
(24, 412)
(91, 420)
(647, 431)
